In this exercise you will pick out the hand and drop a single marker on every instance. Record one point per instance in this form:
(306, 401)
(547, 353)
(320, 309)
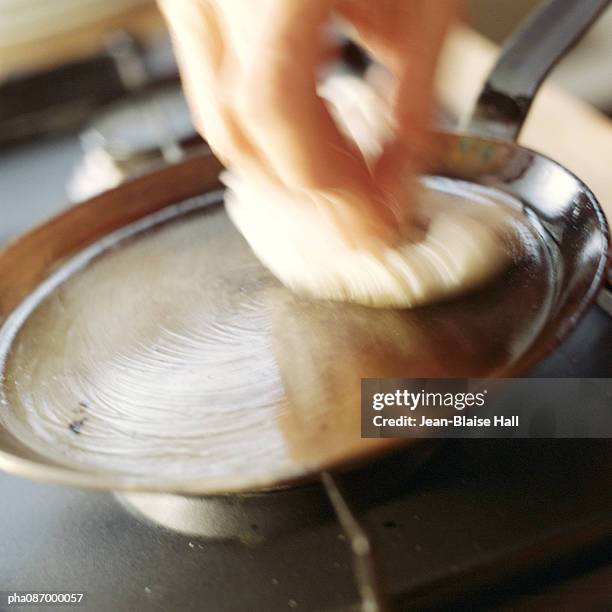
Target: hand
(249, 71)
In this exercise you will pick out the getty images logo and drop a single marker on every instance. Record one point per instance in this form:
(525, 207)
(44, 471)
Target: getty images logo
(412, 400)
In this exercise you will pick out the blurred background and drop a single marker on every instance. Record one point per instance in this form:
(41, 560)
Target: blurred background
(89, 94)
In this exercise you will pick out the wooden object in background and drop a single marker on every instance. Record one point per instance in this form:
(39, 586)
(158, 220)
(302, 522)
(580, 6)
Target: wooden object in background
(89, 39)
(559, 125)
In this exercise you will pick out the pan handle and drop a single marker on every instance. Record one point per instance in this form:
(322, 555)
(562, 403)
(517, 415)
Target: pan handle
(525, 60)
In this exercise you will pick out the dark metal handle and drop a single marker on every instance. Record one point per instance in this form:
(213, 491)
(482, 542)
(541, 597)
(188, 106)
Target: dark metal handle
(525, 60)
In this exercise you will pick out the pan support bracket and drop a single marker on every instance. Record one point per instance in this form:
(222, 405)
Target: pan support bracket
(367, 570)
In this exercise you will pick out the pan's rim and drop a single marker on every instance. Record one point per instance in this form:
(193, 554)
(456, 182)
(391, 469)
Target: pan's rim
(599, 277)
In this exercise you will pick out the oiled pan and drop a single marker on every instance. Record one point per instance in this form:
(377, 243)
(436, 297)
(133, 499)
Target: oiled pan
(144, 348)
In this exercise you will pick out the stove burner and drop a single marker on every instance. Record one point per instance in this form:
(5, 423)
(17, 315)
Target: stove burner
(252, 519)
(255, 516)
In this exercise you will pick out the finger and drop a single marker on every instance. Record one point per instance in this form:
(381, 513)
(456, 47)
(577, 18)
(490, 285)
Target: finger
(407, 37)
(420, 62)
(202, 56)
(414, 103)
(287, 121)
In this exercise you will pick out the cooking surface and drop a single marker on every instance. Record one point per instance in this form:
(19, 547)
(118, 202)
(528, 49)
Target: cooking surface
(499, 505)
(505, 504)
(166, 354)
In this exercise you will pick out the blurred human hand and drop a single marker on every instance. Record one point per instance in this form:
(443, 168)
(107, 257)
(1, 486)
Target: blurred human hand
(250, 74)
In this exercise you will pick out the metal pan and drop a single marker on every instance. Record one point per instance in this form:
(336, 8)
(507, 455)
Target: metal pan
(144, 348)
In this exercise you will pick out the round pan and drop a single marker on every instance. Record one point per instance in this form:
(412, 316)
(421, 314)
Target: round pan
(144, 348)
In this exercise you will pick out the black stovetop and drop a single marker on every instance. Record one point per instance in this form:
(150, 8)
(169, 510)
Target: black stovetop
(482, 523)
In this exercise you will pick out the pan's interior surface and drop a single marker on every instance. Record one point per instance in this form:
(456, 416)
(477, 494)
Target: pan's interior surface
(164, 356)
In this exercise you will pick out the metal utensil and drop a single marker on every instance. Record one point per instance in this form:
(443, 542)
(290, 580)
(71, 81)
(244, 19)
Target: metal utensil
(143, 347)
